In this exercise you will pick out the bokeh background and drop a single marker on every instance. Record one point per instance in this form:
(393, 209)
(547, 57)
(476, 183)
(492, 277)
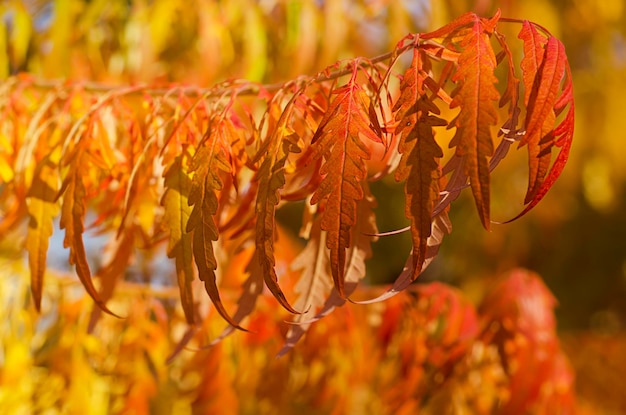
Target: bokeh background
(575, 239)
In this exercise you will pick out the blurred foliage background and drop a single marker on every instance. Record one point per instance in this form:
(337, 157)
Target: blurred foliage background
(574, 239)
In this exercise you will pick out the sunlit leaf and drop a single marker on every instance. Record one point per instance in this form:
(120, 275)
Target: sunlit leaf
(419, 165)
(338, 140)
(42, 208)
(177, 211)
(475, 96)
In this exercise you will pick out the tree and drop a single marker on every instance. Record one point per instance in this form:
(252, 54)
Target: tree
(207, 168)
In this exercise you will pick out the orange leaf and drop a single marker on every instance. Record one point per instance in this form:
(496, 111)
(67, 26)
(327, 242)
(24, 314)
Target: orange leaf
(207, 164)
(271, 178)
(540, 115)
(510, 96)
(534, 52)
(461, 22)
(476, 95)
(361, 249)
(561, 135)
(72, 215)
(534, 44)
(338, 140)
(42, 208)
(419, 165)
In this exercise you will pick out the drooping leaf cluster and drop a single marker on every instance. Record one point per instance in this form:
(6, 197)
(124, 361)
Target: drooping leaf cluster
(208, 169)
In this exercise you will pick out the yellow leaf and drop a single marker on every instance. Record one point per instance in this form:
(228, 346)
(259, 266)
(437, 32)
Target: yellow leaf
(177, 211)
(42, 208)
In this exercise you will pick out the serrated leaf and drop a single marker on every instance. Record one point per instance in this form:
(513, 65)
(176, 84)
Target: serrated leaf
(562, 135)
(271, 178)
(419, 165)
(534, 44)
(72, 216)
(175, 217)
(42, 209)
(361, 250)
(338, 140)
(546, 75)
(207, 164)
(476, 95)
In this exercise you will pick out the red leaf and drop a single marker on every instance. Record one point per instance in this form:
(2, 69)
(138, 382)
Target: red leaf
(419, 165)
(338, 140)
(541, 135)
(543, 68)
(476, 95)
(534, 43)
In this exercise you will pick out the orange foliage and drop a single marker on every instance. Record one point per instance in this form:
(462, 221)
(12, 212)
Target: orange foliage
(208, 169)
(204, 173)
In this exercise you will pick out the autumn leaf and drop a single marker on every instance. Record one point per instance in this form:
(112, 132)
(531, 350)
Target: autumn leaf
(540, 115)
(271, 178)
(551, 94)
(317, 296)
(72, 216)
(475, 96)
(534, 51)
(338, 140)
(42, 208)
(538, 123)
(175, 217)
(363, 234)
(419, 165)
(207, 164)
